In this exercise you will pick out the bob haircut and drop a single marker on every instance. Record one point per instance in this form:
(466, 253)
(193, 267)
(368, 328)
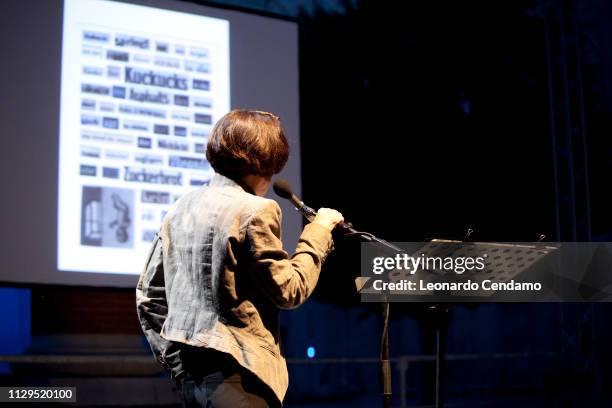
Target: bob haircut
(245, 142)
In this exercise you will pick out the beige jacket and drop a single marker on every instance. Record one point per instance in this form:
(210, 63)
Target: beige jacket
(217, 276)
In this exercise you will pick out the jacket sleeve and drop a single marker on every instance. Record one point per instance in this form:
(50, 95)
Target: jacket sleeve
(152, 309)
(287, 281)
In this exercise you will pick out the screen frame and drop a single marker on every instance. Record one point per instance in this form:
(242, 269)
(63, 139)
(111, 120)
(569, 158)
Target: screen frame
(54, 58)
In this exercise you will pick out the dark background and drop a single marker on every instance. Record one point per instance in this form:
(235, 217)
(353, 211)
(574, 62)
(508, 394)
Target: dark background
(423, 119)
(420, 120)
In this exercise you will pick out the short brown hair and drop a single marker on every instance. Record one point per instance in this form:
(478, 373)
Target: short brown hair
(245, 142)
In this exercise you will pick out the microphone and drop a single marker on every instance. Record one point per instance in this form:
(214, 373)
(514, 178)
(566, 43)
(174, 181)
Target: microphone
(283, 189)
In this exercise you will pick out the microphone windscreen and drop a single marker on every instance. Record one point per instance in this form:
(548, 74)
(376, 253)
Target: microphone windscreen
(282, 188)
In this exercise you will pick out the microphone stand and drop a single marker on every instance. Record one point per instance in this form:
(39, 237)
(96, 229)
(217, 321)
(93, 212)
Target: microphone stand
(385, 361)
(440, 314)
(282, 188)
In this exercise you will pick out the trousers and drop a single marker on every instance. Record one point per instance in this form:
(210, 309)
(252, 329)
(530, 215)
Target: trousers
(216, 380)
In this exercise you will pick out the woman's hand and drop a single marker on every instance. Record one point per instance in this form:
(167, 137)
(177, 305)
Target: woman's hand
(328, 218)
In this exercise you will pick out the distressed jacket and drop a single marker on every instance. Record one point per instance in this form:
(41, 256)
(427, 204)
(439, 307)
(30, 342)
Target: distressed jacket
(217, 276)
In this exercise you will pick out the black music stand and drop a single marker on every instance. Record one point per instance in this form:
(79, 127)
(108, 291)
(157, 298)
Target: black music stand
(506, 262)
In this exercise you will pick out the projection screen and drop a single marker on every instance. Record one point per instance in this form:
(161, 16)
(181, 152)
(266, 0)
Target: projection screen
(110, 106)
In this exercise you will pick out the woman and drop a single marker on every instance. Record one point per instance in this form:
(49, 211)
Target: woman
(217, 276)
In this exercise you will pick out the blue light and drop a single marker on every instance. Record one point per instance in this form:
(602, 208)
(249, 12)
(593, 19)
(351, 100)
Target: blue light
(310, 352)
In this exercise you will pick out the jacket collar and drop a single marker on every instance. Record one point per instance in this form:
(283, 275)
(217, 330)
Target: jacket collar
(219, 180)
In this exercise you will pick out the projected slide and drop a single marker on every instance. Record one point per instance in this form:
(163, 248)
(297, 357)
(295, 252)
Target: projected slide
(141, 88)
